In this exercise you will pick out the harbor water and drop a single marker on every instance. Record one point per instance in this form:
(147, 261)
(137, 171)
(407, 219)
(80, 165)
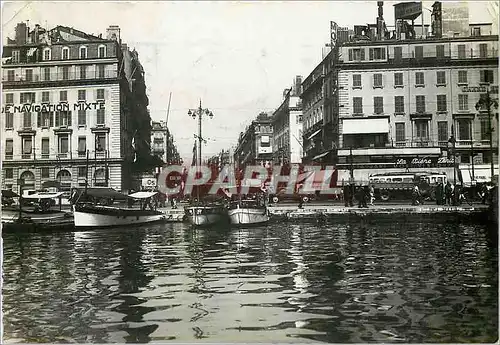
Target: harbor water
(352, 282)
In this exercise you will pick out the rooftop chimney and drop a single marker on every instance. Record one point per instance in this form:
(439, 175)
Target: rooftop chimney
(21, 29)
(113, 33)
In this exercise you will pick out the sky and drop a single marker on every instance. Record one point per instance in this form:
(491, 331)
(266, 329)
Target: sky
(237, 57)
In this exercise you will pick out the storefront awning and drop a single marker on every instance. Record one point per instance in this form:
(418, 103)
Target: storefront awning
(365, 126)
(481, 175)
(320, 156)
(314, 134)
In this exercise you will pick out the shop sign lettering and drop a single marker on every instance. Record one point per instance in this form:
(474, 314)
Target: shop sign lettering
(47, 107)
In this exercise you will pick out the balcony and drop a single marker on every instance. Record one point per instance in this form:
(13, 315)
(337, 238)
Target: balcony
(70, 76)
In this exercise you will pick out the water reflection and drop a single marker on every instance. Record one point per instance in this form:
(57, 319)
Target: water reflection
(357, 282)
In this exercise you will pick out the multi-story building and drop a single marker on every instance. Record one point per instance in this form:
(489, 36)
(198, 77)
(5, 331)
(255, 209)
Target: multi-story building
(287, 127)
(402, 100)
(255, 144)
(67, 101)
(163, 144)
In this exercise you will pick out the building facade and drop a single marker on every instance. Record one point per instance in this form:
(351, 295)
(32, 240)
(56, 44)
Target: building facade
(67, 105)
(401, 101)
(287, 123)
(255, 144)
(163, 144)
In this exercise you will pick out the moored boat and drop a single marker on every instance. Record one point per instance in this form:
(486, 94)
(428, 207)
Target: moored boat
(206, 215)
(247, 212)
(92, 215)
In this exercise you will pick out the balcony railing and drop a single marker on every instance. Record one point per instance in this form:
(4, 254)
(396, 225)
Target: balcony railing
(74, 154)
(70, 76)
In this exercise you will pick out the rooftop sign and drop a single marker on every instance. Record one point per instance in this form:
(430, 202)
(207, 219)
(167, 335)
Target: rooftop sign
(407, 10)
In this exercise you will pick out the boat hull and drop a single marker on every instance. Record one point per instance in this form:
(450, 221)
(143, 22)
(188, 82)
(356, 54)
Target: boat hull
(100, 217)
(205, 215)
(248, 216)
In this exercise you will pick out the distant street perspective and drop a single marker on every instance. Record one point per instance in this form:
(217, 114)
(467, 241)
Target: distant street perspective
(249, 172)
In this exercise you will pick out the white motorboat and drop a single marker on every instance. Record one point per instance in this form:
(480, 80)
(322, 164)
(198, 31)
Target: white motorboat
(247, 212)
(92, 215)
(206, 215)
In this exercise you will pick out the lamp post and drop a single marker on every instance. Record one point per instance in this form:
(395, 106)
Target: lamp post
(199, 112)
(453, 141)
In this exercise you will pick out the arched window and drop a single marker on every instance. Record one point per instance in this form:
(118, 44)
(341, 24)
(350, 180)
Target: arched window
(83, 52)
(28, 179)
(64, 177)
(46, 54)
(101, 51)
(65, 53)
(100, 178)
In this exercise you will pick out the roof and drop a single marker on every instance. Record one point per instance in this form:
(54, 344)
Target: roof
(142, 195)
(43, 195)
(103, 192)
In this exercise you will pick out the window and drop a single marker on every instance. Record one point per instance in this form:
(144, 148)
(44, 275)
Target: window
(378, 105)
(483, 50)
(45, 147)
(65, 72)
(82, 95)
(15, 56)
(100, 71)
(100, 94)
(82, 117)
(399, 104)
(441, 78)
(377, 80)
(63, 144)
(442, 131)
(83, 72)
(464, 129)
(398, 79)
(357, 54)
(46, 54)
(100, 142)
(9, 120)
(441, 103)
(9, 173)
(46, 73)
(485, 129)
(419, 78)
(9, 98)
(265, 141)
(27, 119)
(82, 145)
(27, 145)
(100, 117)
(9, 148)
(83, 52)
(440, 51)
(65, 53)
(419, 52)
(45, 119)
(462, 77)
(45, 172)
(398, 53)
(376, 53)
(356, 80)
(486, 76)
(45, 97)
(102, 51)
(63, 118)
(461, 51)
(420, 104)
(82, 172)
(422, 129)
(463, 102)
(357, 104)
(476, 32)
(11, 75)
(400, 132)
(27, 97)
(29, 75)
(63, 96)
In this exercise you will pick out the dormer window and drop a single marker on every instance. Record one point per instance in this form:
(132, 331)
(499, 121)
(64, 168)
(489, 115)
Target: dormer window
(46, 54)
(65, 53)
(102, 51)
(83, 52)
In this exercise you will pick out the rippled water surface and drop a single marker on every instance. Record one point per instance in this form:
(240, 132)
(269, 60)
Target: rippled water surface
(400, 282)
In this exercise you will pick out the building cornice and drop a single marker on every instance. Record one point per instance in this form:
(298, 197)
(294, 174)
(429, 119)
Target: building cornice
(420, 41)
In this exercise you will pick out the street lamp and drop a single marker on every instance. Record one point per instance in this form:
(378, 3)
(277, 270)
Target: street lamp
(200, 112)
(453, 141)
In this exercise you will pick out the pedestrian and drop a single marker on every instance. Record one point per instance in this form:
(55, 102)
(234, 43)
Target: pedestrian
(347, 195)
(439, 193)
(448, 193)
(372, 195)
(415, 196)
